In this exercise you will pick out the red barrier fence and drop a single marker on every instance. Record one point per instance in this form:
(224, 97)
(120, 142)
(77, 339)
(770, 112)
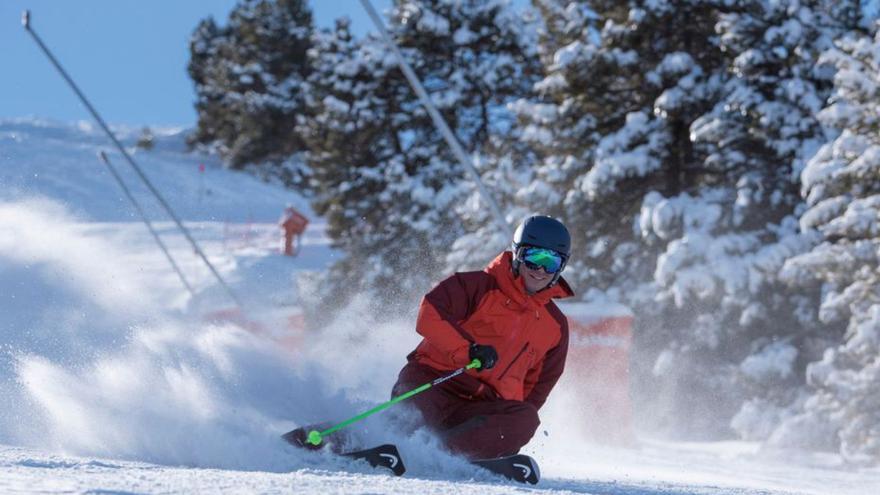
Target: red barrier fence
(600, 340)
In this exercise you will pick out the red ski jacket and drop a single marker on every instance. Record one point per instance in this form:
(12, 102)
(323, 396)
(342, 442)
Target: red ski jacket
(492, 307)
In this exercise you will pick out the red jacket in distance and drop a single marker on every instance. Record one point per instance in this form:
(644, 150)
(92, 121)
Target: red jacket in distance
(492, 307)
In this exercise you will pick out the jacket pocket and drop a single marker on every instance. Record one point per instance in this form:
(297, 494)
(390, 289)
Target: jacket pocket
(520, 357)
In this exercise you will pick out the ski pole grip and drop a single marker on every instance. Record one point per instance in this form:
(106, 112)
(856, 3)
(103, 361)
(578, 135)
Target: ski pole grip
(474, 364)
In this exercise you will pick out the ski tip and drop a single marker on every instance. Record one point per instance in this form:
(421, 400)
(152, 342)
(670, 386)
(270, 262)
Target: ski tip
(26, 19)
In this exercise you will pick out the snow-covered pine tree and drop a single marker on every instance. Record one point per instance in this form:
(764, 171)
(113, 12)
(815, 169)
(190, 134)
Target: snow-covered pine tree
(248, 76)
(593, 119)
(760, 135)
(505, 162)
(841, 185)
(592, 84)
(722, 273)
(363, 183)
(625, 81)
(677, 130)
(383, 175)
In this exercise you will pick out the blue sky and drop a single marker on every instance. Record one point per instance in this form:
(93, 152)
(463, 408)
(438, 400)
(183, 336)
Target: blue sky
(128, 56)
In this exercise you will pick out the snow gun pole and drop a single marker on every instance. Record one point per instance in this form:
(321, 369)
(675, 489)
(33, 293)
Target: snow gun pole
(439, 122)
(315, 437)
(25, 21)
(137, 206)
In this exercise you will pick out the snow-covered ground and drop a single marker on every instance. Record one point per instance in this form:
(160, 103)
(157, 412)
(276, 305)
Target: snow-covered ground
(114, 379)
(657, 470)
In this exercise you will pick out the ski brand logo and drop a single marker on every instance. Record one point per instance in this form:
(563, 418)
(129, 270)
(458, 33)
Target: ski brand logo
(527, 471)
(392, 459)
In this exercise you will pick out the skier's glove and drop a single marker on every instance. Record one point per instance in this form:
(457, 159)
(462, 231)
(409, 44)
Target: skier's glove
(485, 353)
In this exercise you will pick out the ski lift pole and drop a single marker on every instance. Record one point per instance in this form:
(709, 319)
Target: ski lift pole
(438, 119)
(315, 437)
(143, 215)
(25, 22)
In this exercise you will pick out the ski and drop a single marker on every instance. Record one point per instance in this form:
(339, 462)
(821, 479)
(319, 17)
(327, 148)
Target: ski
(385, 455)
(519, 467)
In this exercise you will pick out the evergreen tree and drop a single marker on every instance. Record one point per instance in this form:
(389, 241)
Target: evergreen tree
(611, 120)
(675, 131)
(755, 141)
(506, 161)
(841, 185)
(248, 77)
(383, 176)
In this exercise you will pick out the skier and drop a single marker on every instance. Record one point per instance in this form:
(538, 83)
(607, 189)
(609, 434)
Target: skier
(505, 317)
(293, 224)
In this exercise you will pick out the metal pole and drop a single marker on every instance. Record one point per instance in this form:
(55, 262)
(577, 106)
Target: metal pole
(444, 129)
(146, 221)
(25, 21)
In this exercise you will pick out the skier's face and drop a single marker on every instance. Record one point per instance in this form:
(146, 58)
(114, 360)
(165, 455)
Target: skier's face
(534, 280)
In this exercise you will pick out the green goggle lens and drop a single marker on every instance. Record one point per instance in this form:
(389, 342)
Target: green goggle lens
(535, 258)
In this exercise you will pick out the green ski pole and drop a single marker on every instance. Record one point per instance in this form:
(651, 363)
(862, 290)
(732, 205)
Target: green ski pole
(315, 437)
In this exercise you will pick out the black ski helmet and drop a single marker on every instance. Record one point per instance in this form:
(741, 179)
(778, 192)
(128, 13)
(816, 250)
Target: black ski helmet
(545, 232)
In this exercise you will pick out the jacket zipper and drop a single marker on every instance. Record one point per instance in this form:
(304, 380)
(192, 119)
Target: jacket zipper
(514, 360)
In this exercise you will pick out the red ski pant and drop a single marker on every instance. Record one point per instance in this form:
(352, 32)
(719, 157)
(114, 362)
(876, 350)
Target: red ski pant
(481, 428)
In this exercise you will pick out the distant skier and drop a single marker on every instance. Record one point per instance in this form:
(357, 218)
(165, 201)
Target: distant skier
(293, 224)
(503, 316)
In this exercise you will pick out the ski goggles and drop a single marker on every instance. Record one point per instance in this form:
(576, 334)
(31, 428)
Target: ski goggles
(536, 258)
